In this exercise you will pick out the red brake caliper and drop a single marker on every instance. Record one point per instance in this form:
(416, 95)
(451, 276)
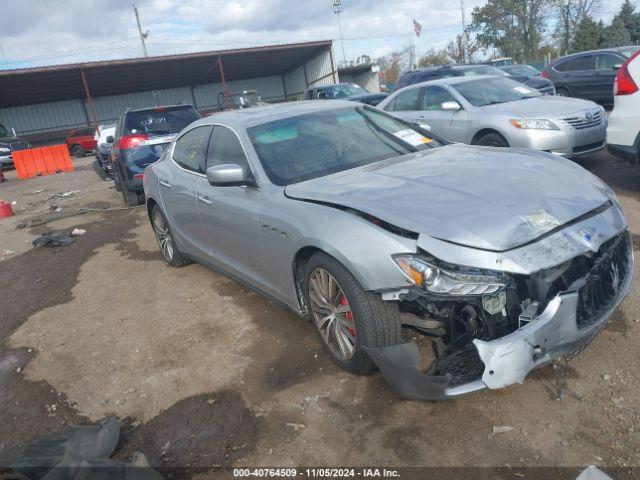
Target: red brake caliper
(348, 315)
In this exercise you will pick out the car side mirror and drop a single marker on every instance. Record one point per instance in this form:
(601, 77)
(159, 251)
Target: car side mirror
(110, 139)
(450, 106)
(226, 175)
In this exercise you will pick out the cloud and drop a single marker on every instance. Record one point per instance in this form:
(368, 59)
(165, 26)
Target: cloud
(40, 33)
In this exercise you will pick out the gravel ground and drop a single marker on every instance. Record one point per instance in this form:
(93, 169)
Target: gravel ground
(203, 373)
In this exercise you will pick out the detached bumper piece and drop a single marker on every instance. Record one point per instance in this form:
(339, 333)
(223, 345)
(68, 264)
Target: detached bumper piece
(400, 366)
(569, 322)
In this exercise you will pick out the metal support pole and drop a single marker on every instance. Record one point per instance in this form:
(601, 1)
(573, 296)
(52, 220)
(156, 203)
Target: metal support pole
(333, 65)
(225, 92)
(89, 99)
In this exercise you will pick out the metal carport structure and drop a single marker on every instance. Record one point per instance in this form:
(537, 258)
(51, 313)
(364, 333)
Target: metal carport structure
(57, 98)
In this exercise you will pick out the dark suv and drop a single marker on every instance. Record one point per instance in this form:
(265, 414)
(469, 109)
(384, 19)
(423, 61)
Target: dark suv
(543, 85)
(588, 75)
(140, 138)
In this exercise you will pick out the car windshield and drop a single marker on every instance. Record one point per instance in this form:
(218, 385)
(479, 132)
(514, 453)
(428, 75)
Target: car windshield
(160, 120)
(627, 52)
(489, 91)
(344, 90)
(3, 131)
(522, 70)
(482, 70)
(316, 144)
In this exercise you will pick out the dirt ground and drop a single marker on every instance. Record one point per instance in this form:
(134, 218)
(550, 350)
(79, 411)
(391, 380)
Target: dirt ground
(203, 373)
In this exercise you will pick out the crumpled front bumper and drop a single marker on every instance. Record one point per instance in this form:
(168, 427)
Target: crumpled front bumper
(507, 360)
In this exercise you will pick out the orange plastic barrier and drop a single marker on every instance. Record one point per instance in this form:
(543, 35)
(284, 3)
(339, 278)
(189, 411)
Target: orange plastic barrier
(42, 161)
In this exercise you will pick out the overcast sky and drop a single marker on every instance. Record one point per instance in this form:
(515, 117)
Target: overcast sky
(38, 32)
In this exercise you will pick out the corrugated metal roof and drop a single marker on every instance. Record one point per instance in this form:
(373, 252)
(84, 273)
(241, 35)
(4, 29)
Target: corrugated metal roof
(63, 82)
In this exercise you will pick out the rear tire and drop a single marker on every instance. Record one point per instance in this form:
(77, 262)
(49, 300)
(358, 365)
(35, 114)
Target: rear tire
(492, 140)
(369, 321)
(116, 179)
(562, 92)
(170, 253)
(98, 169)
(77, 151)
(132, 198)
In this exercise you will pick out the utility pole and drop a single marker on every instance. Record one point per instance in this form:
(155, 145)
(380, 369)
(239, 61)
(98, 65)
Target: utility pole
(338, 11)
(465, 45)
(566, 27)
(144, 35)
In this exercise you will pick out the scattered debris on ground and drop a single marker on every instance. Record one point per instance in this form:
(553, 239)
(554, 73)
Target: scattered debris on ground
(54, 239)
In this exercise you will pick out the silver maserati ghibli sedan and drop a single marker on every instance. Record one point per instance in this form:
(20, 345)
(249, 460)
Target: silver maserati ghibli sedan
(380, 233)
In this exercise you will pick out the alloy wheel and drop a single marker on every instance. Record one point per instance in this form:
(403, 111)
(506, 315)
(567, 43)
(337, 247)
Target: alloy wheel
(163, 236)
(332, 313)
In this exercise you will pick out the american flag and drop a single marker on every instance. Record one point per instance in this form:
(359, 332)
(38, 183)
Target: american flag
(417, 28)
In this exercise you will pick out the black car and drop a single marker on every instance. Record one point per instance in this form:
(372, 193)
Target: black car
(588, 75)
(140, 138)
(543, 85)
(344, 91)
(9, 143)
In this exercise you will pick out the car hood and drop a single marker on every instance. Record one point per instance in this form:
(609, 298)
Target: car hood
(482, 197)
(367, 97)
(544, 106)
(536, 82)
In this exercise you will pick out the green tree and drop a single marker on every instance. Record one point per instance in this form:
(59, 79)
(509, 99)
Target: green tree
(587, 36)
(616, 34)
(433, 58)
(513, 27)
(569, 14)
(630, 19)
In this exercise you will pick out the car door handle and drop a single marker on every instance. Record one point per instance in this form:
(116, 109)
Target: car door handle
(205, 199)
(164, 183)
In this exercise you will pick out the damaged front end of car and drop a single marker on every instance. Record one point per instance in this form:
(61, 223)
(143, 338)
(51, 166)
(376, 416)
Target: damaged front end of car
(489, 327)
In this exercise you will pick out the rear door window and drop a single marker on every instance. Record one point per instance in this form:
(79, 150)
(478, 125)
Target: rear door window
(191, 148)
(579, 64)
(407, 100)
(160, 121)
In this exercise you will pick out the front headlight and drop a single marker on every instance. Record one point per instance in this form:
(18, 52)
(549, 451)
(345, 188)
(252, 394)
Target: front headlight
(438, 280)
(5, 150)
(534, 124)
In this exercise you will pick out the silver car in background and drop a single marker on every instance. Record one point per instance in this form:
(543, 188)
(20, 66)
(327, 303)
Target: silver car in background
(500, 112)
(369, 227)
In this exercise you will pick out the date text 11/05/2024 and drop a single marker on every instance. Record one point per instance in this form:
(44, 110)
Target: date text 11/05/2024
(316, 472)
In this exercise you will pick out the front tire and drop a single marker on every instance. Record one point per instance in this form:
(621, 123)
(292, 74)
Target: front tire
(346, 316)
(562, 92)
(170, 253)
(77, 151)
(492, 140)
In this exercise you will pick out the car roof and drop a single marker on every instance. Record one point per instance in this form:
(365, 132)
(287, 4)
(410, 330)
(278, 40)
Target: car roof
(248, 117)
(451, 80)
(591, 52)
(164, 107)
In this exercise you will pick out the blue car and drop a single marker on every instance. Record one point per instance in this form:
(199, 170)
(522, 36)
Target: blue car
(140, 138)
